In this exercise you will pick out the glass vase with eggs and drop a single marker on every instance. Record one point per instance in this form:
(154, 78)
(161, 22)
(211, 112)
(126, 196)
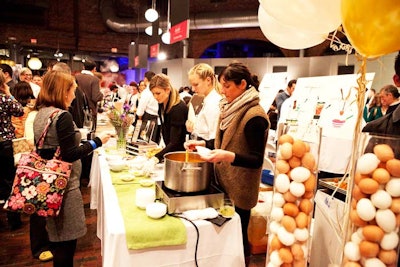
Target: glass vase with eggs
(293, 196)
(372, 237)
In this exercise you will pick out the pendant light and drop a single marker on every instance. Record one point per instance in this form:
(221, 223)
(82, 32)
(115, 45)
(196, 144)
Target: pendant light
(34, 63)
(151, 14)
(166, 37)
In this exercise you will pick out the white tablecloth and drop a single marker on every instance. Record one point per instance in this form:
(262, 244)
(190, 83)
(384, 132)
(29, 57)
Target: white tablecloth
(218, 246)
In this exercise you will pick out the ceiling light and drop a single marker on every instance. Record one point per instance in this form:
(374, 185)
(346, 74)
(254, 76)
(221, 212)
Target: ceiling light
(151, 15)
(58, 54)
(166, 37)
(162, 56)
(34, 63)
(149, 31)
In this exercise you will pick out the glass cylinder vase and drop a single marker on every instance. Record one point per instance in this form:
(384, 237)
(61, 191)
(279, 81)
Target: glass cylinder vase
(120, 133)
(293, 197)
(372, 237)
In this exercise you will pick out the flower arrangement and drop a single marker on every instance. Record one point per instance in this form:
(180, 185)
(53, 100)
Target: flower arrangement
(119, 115)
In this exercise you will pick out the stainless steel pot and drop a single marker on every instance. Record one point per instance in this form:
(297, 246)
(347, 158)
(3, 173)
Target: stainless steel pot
(191, 176)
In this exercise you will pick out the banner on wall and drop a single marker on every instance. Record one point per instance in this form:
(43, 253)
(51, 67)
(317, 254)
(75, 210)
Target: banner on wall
(179, 20)
(137, 56)
(154, 50)
(179, 31)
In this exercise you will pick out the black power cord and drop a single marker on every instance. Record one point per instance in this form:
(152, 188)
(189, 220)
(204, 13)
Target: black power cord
(198, 235)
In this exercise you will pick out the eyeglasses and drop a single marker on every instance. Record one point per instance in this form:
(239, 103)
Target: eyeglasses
(26, 74)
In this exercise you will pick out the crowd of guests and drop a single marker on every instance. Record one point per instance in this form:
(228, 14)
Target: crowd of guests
(221, 112)
(210, 111)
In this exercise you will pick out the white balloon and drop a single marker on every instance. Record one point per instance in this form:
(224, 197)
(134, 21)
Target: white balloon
(286, 36)
(318, 16)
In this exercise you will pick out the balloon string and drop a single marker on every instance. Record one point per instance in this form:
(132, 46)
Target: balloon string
(361, 81)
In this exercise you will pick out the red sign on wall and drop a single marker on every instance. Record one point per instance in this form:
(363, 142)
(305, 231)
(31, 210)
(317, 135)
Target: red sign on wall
(154, 49)
(179, 31)
(136, 61)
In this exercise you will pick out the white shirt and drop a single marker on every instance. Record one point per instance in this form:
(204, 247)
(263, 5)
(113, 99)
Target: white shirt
(28, 134)
(147, 103)
(35, 89)
(184, 94)
(206, 122)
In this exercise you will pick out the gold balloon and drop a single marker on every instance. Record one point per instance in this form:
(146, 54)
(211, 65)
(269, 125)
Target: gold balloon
(372, 27)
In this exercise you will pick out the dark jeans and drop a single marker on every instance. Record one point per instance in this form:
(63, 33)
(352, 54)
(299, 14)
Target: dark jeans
(7, 168)
(7, 174)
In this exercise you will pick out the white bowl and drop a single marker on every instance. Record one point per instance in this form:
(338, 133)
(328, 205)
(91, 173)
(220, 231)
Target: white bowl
(203, 151)
(117, 165)
(113, 157)
(156, 210)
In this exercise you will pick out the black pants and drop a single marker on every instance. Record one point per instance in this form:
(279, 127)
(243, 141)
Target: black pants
(244, 220)
(7, 174)
(38, 235)
(63, 253)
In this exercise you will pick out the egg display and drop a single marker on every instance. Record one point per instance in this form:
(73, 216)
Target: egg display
(375, 209)
(293, 203)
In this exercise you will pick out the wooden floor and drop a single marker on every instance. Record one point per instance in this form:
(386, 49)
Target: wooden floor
(15, 246)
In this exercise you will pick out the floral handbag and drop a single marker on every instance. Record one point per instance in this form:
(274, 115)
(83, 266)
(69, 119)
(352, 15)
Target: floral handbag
(39, 184)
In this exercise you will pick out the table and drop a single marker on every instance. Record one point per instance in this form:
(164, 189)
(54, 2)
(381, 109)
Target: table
(218, 246)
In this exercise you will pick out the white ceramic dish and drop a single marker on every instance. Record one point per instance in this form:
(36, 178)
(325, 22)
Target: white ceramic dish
(156, 210)
(203, 151)
(117, 165)
(127, 178)
(113, 157)
(146, 182)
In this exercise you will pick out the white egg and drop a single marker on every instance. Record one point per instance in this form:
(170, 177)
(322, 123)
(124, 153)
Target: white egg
(355, 238)
(352, 251)
(386, 220)
(275, 259)
(278, 199)
(285, 237)
(360, 233)
(270, 264)
(374, 262)
(300, 174)
(381, 199)
(282, 183)
(365, 209)
(297, 189)
(393, 187)
(367, 163)
(301, 234)
(274, 226)
(390, 241)
(277, 214)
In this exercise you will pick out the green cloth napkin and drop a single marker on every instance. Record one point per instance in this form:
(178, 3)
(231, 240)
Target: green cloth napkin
(142, 231)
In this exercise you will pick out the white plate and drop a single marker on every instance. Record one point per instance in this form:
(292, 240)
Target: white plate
(146, 182)
(203, 151)
(127, 178)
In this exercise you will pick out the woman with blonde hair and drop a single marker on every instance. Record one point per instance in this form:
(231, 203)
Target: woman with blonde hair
(239, 143)
(172, 112)
(203, 125)
(56, 96)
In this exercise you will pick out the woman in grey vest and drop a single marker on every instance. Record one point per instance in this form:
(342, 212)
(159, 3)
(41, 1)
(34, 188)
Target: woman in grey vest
(55, 97)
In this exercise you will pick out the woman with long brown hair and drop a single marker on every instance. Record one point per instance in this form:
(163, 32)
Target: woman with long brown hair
(172, 112)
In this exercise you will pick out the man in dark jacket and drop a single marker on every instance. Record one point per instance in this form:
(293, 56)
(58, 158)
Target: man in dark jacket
(90, 85)
(390, 123)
